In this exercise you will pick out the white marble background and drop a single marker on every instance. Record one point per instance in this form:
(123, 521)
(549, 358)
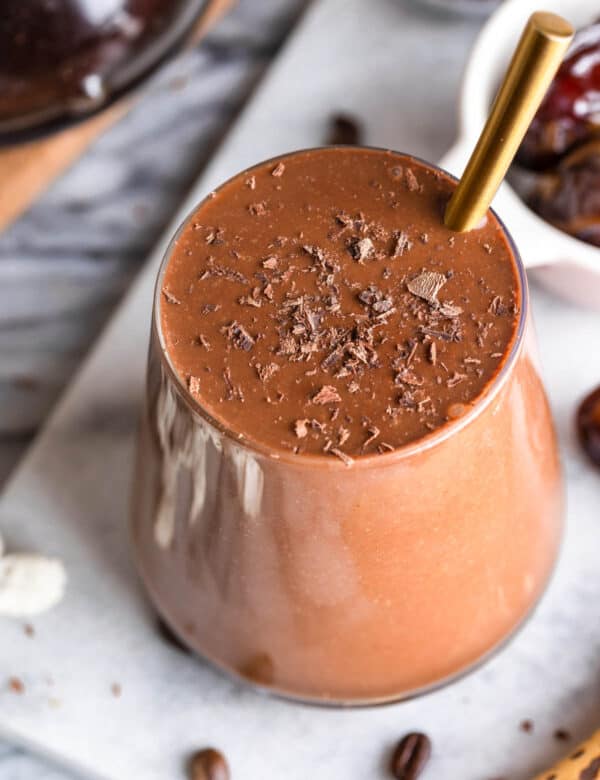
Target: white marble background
(64, 265)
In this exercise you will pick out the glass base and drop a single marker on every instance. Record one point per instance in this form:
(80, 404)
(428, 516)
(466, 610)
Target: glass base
(320, 701)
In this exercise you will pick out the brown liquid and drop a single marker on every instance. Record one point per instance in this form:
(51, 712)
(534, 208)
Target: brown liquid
(321, 577)
(261, 311)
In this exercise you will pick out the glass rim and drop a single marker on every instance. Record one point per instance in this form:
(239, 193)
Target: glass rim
(405, 451)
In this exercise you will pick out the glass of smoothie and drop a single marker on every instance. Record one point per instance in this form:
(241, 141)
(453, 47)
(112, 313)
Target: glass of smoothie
(347, 483)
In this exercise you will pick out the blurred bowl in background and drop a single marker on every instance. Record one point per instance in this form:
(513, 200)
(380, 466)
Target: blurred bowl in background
(470, 7)
(566, 265)
(61, 60)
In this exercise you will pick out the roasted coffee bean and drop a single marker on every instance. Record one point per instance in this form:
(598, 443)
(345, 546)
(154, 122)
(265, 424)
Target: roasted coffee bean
(208, 764)
(345, 131)
(410, 756)
(588, 425)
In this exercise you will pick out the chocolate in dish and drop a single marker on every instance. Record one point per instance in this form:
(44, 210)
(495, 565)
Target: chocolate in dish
(313, 317)
(63, 56)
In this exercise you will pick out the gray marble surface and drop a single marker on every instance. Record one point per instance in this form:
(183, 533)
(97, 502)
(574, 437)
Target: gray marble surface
(66, 263)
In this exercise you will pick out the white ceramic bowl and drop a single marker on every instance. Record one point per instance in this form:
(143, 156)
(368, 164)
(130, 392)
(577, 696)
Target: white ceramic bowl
(570, 267)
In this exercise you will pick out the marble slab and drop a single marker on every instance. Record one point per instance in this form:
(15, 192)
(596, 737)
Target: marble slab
(70, 498)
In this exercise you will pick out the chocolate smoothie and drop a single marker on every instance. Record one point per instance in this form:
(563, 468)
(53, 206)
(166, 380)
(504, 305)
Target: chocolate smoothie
(348, 485)
(319, 305)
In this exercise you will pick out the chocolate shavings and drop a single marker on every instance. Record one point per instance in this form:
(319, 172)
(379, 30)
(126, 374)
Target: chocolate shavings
(267, 371)
(362, 249)
(373, 434)
(402, 244)
(427, 286)
(233, 391)
(346, 459)
(170, 298)
(326, 395)
(194, 385)
(301, 428)
(258, 209)
(239, 336)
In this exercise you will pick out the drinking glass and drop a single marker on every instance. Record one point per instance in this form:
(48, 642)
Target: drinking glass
(353, 585)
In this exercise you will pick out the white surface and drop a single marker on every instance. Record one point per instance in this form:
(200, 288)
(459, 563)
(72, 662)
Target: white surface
(569, 267)
(70, 498)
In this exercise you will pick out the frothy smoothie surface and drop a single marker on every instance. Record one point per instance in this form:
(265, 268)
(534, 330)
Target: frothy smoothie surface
(317, 304)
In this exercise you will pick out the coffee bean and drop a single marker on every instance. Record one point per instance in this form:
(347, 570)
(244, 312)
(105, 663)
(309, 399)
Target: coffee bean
(588, 425)
(208, 764)
(345, 130)
(562, 735)
(410, 756)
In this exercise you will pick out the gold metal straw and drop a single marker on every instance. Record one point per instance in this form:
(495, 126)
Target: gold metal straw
(534, 64)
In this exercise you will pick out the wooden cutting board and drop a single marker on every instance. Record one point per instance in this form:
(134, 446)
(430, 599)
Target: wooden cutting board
(27, 169)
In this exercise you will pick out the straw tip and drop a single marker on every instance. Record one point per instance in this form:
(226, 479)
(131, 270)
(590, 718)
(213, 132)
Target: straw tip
(552, 25)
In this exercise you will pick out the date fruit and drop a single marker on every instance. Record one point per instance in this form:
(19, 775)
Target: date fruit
(588, 425)
(569, 197)
(570, 112)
